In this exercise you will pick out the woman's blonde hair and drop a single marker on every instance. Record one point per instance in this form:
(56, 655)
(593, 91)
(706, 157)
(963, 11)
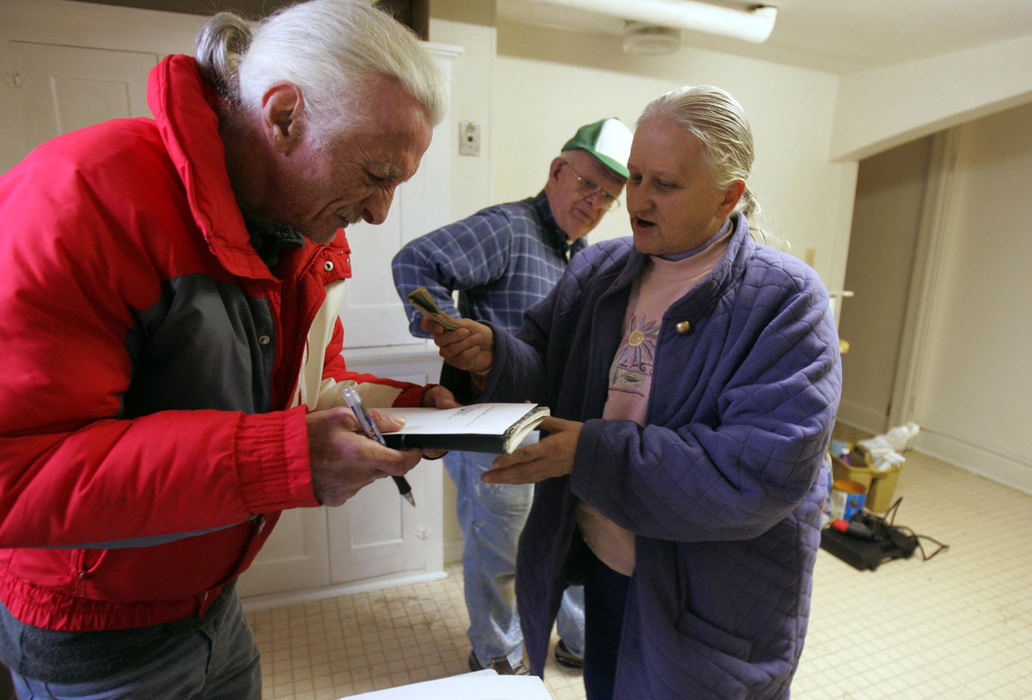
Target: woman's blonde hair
(718, 121)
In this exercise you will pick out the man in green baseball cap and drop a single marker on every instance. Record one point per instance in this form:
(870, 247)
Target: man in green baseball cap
(502, 260)
(595, 163)
(608, 140)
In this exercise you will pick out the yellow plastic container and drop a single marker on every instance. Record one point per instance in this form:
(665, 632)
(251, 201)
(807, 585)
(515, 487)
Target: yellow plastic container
(881, 485)
(859, 471)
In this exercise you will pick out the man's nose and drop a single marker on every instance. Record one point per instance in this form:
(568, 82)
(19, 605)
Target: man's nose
(376, 206)
(598, 199)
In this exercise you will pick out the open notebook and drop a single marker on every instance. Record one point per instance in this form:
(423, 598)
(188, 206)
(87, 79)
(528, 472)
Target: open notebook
(482, 427)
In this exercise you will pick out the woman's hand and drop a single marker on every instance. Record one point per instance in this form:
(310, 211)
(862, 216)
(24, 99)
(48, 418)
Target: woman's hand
(469, 347)
(552, 456)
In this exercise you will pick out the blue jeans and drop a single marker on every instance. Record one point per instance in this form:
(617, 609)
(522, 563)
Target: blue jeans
(217, 661)
(491, 517)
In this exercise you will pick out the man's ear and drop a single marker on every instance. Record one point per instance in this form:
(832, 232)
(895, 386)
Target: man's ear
(282, 116)
(732, 193)
(553, 175)
(554, 168)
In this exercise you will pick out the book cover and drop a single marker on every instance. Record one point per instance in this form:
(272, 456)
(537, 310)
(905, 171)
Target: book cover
(482, 427)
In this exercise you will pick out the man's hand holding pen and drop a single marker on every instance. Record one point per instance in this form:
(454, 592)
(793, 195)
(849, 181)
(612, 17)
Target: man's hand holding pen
(344, 459)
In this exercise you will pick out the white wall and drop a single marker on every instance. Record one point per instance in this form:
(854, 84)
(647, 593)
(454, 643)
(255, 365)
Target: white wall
(549, 81)
(973, 394)
(881, 108)
(469, 25)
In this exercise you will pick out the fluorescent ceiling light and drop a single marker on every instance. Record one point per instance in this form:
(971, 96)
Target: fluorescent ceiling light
(753, 25)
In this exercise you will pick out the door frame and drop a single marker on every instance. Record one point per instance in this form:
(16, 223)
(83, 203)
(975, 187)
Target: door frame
(922, 298)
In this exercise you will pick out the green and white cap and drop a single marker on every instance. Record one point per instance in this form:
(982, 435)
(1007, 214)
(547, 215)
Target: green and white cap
(609, 140)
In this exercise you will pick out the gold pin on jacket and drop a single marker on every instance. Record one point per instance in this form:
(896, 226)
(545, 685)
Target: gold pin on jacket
(683, 327)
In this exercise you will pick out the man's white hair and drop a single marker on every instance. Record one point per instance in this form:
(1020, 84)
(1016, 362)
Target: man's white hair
(333, 50)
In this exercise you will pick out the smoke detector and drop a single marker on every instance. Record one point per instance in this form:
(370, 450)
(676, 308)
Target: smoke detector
(644, 39)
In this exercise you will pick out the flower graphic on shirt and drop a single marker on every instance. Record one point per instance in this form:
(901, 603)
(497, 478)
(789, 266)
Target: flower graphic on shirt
(632, 365)
(638, 348)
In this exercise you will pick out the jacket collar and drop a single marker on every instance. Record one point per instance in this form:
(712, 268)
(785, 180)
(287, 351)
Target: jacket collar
(709, 291)
(183, 104)
(554, 235)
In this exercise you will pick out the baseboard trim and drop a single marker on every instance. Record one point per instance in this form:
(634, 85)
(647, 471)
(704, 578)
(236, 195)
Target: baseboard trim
(452, 552)
(308, 595)
(965, 454)
(862, 417)
(977, 459)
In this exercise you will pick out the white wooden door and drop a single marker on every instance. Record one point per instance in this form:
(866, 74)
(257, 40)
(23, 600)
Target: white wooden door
(66, 88)
(373, 313)
(377, 534)
(295, 557)
(66, 65)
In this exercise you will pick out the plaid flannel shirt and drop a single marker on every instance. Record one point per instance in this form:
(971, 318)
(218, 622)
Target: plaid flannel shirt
(501, 260)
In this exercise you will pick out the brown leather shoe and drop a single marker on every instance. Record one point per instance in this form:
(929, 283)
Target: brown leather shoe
(501, 666)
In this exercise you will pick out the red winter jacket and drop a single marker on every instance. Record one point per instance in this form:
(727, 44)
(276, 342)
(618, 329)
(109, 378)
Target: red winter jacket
(151, 362)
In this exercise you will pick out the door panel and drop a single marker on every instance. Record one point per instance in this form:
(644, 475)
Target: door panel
(64, 88)
(294, 557)
(378, 533)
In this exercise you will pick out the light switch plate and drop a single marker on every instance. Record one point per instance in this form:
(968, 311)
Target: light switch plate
(469, 139)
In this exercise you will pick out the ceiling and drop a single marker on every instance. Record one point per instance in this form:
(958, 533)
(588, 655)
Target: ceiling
(837, 36)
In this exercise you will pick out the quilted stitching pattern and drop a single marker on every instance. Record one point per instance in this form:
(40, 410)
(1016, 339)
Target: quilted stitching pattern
(721, 487)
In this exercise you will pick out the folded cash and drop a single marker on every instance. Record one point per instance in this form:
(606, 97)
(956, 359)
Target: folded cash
(421, 299)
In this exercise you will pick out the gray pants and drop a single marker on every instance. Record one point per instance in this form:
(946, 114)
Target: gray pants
(219, 660)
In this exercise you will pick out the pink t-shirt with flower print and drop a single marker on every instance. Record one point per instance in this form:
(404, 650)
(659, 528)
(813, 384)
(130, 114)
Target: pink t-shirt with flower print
(663, 281)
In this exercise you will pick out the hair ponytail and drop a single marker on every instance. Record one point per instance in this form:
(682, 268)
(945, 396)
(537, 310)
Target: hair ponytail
(219, 49)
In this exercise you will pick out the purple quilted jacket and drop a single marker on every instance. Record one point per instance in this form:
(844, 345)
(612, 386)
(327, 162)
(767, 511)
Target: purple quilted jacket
(723, 487)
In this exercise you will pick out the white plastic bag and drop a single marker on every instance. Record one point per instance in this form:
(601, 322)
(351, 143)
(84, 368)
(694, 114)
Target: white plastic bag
(885, 449)
(902, 437)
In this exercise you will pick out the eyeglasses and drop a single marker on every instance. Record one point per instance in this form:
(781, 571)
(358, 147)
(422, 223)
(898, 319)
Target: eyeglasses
(589, 188)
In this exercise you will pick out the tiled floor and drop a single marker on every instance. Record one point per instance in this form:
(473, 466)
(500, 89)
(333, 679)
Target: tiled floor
(957, 626)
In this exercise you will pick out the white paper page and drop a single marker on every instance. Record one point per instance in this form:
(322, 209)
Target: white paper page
(480, 685)
(480, 418)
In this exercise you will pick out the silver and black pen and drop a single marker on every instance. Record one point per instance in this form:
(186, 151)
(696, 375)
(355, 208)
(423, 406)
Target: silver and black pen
(373, 433)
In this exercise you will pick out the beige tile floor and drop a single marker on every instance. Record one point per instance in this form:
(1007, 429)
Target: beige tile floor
(957, 626)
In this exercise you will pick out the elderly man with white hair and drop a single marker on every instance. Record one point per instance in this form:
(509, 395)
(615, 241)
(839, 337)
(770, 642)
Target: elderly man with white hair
(172, 349)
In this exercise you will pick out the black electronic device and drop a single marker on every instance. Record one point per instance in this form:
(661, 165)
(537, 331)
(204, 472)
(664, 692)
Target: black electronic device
(874, 540)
